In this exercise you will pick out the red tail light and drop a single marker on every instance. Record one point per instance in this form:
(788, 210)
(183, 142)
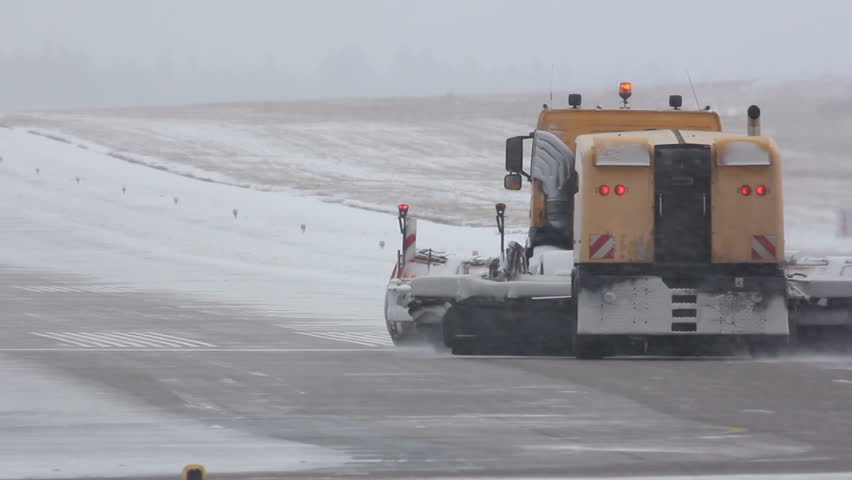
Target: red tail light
(620, 190)
(402, 208)
(603, 189)
(745, 190)
(760, 190)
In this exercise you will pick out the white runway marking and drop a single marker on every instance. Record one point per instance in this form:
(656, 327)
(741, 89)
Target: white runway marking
(123, 340)
(336, 336)
(342, 331)
(205, 350)
(74, 289)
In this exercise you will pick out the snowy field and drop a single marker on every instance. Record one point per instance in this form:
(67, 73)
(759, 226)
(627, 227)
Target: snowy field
(280, 165)
(444, 155)
(78, 210)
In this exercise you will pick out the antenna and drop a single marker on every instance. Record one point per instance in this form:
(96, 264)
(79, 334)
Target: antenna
(692, 86)
(552, 73)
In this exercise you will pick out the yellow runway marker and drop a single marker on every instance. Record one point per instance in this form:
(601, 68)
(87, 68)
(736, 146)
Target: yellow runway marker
(194, 472)
(735, 429)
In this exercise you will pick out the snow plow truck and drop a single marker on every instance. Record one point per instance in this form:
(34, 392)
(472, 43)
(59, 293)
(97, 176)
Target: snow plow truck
(651, 232)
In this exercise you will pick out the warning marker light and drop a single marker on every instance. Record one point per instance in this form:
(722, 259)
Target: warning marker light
(745, 190)
(603, 189)
(760, 190)
(403, 209)
(194, 472)
(620, 190)
(625, 89)
(675, 101)
(574, 100)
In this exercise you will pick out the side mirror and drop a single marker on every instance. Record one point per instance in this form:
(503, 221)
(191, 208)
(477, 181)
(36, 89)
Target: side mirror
(515, 154)
(512, 181)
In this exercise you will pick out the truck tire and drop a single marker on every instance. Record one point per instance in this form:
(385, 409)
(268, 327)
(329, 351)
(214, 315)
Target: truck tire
(589, 348)
(763, 349)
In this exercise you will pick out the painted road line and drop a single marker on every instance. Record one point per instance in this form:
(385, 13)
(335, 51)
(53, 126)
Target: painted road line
(363, 335)
(133, 340)
(334, 327)
(60, 338)
(74, 289)
(365, 338)
(331, 336)
(108, 339)
(104, 338)
(317, 325)
(341, 331)
(380, 338)
(205, 350)
(179, 339)
(161, 341)
(83, 338)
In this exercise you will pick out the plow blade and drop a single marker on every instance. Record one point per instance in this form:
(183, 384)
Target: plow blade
(478, 326)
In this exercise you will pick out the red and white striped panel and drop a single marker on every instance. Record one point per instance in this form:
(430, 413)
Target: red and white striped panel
(763, 247)
(409, 244)
(845, 228)
(601, 247)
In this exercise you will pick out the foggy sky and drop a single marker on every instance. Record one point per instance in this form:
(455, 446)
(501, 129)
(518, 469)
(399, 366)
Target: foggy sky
(56, 54)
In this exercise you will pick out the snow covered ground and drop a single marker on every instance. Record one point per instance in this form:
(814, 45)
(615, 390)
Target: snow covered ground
(444, 155)
(81, 211)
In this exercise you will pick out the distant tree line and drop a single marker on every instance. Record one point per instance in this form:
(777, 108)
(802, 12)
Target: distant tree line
(56, 78)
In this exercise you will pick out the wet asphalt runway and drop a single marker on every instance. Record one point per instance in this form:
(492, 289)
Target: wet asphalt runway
(393, 412)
